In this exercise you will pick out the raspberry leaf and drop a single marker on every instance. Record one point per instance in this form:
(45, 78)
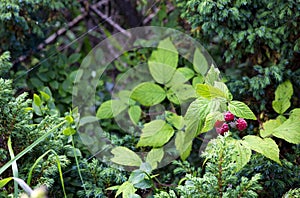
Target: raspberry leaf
(241, 110)
(199, 63)
(266, 147)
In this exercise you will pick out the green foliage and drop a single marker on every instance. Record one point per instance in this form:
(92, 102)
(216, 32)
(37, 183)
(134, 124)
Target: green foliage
(27, 23)
(257, 39)
(275, 179)
(281, 127)
(57, 74)
(219, 178)
(97, 177)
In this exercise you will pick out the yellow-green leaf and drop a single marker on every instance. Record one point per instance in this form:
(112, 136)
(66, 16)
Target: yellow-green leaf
(125, 156)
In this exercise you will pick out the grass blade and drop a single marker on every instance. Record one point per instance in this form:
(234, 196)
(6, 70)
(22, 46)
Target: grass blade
(26, 150)
(14, 167)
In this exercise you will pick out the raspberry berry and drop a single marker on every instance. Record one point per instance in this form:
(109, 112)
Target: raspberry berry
(225, 128)
(228, 116)
(221, 130)
(241, 124)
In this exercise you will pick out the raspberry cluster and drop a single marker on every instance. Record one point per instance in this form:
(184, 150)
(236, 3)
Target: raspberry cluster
(230, 122)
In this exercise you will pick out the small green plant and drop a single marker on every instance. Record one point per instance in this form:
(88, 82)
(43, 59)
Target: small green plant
(220, 178)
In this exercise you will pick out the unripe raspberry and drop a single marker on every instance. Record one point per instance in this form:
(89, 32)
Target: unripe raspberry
(228, 116)
(241, 124)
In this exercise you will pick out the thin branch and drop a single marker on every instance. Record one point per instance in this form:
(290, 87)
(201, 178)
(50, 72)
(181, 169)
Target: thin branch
(111, 22)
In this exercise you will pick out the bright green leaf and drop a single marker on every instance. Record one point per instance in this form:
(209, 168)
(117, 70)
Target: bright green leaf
(3, 182)
(37, 100)
(135, 113)
(289, 131)
(45, 96)
(283, 95)
(148, 94)
(197, 80)
(266, 147)
(241, 110)
(69, 131)
(242, 156)
(155, 133)
(126, 189)
(125, 156)
(110, 109)
(209, 92)
(295, 114)
(174, 119)
(268, 127)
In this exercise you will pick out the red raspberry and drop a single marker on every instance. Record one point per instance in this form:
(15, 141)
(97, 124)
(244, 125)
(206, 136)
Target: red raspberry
(241, 124)
(228, 116)
(225, 128)
(221, 129)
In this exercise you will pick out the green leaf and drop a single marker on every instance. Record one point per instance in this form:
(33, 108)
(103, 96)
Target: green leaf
(184, 147)
(289, 131)
(209, 92)
(212, 75)
(163, 61)
(241, 110)
(69, 119)
(243, 154)
(3, 182)
(283, 95)
(154, 157)
(110, 109)
(135, 113)
(166, 53)
(222, 86)
(268, 127)
(148, 94)
(155, 133)
(126, 189)
(139, 179)
(174, 119)
(266, 147)
(69, 131)
(172, 97)
(295, 114)
(37, 100)
(211, 119)
(45, 96)
(197, 80)
(161, 73)
(125, 156)
(199, 63)
(195, 117)
(181, 76)
(73, 58)
(181, 92)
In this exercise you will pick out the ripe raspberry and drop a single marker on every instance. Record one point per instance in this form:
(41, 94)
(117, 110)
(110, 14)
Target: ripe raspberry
(228, 116)
(225, 128)
(241, 124)
(221, 129)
